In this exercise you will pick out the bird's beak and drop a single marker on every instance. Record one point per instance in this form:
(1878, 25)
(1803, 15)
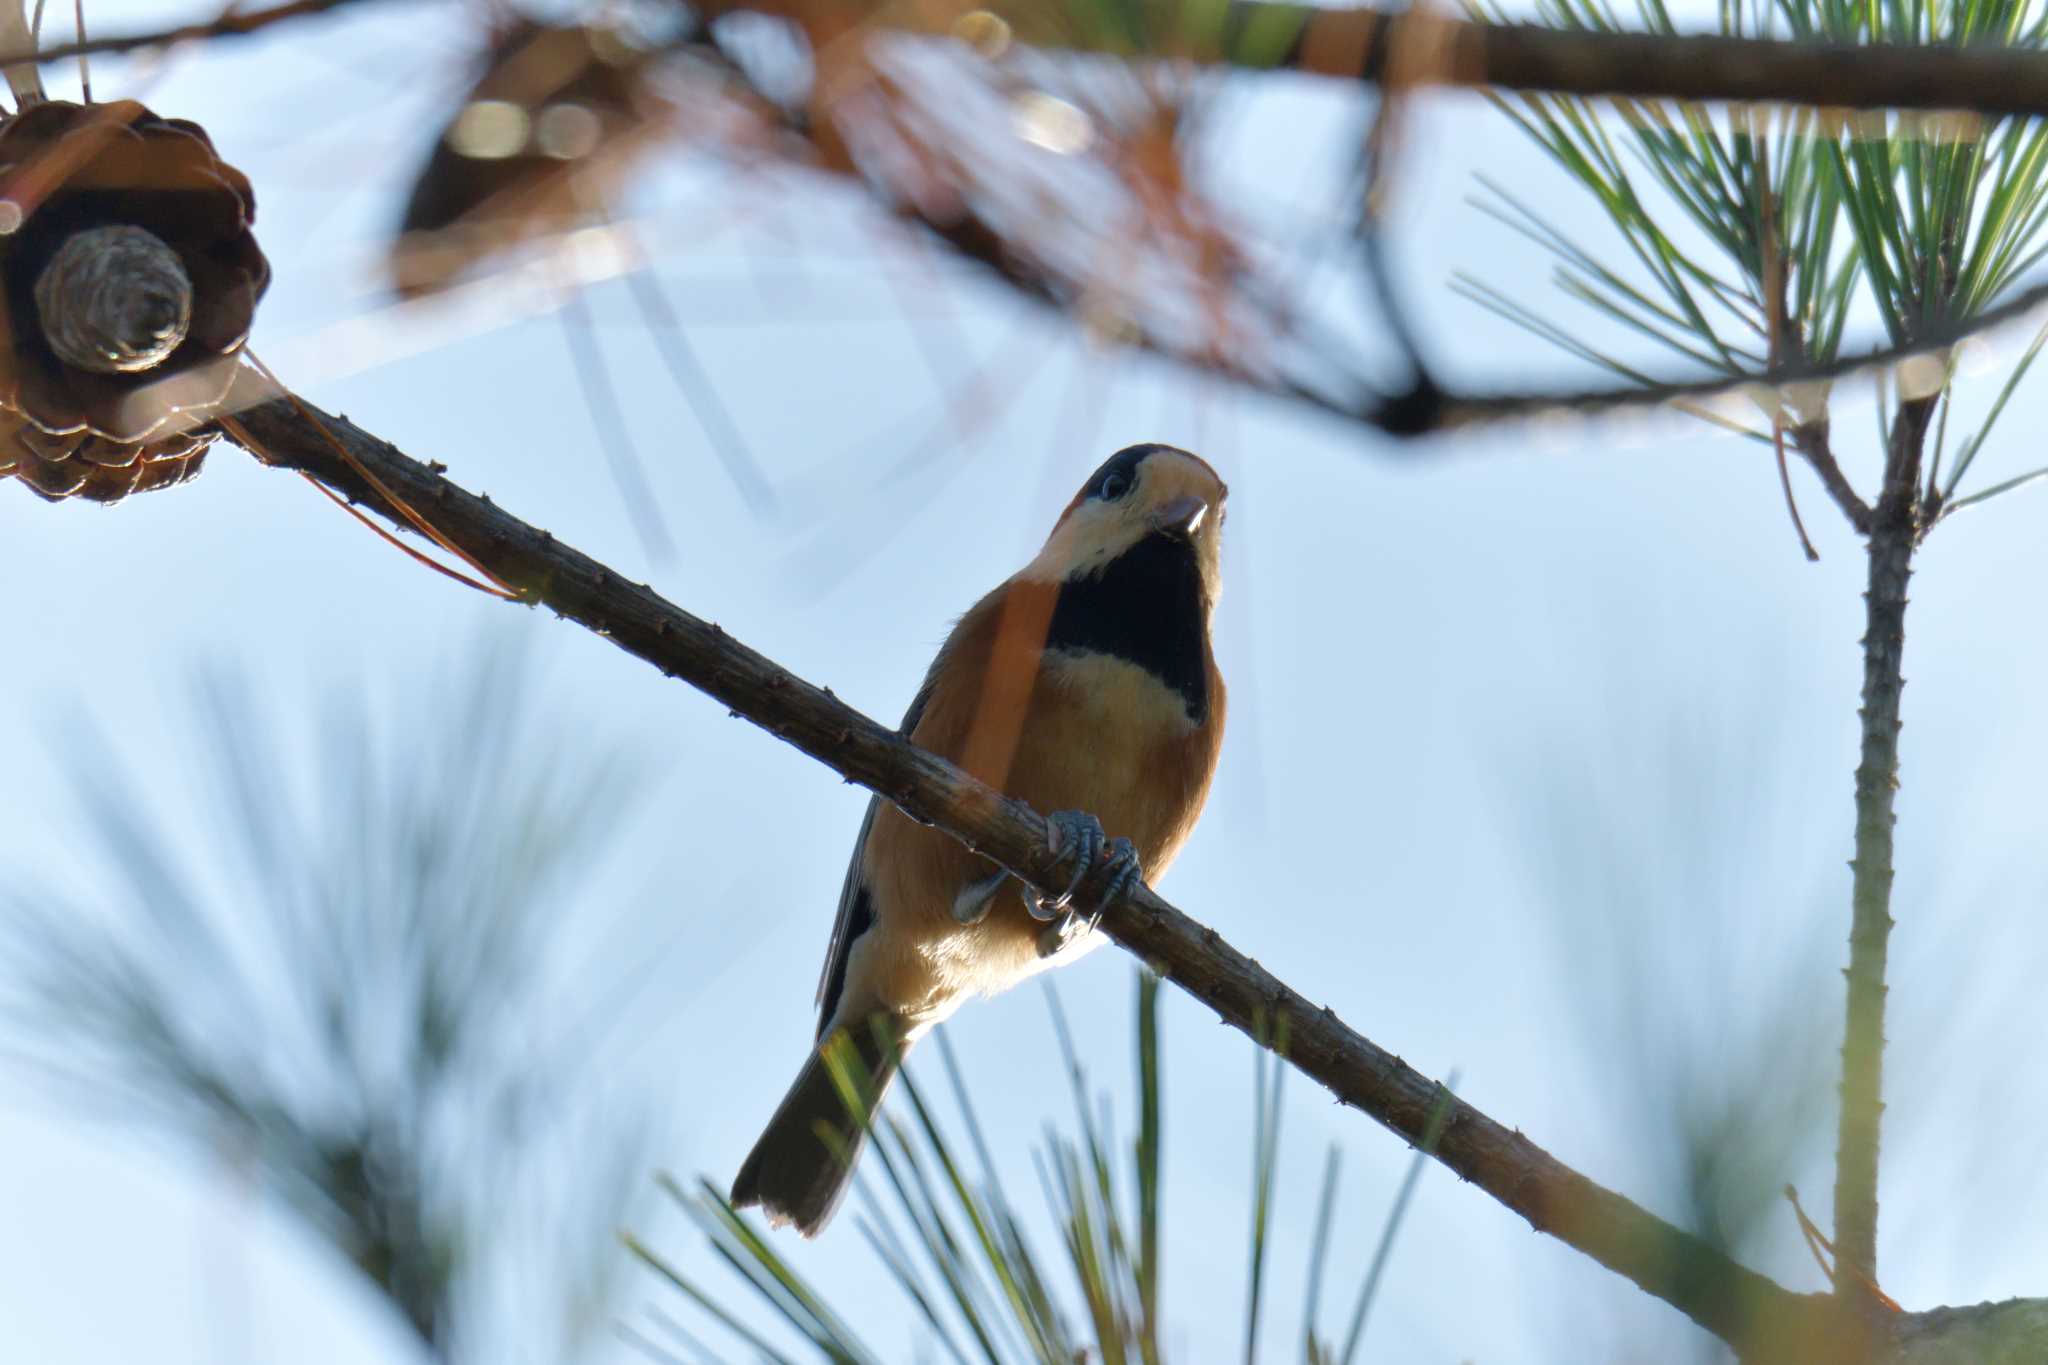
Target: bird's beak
(1182, 517)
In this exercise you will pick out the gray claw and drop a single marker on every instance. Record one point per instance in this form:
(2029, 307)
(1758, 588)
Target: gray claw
(1121, 872)
(971, 905)
(1037, 905)
(1054, 937)
(1073, 834)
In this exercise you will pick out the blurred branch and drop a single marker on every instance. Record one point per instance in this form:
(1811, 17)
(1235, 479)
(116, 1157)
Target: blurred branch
(1427, 408)
(1462, 410)
(1365, 44)
(1991, 80)
(1424, 406)
(1734, 1303)
(232, 23)
(1359, 44)
(1356, 44)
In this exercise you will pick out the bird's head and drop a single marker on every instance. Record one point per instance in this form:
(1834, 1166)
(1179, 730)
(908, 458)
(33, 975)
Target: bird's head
(1142, 495)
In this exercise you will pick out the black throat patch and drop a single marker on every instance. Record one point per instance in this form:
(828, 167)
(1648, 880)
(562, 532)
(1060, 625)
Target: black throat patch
(1146, 608)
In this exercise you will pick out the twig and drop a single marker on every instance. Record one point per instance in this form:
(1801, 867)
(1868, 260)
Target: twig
(1820, 1248)
(1460, 410)
(1734, 1303)
(230, 25)
(1817, 1244)
(1813, 444)
(1773, 283)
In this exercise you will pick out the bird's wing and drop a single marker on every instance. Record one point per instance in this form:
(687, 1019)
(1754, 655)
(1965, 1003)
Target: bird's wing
(856, 909)
(855, 913)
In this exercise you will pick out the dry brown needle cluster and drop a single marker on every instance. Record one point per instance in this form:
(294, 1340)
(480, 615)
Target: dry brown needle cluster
(537, 148)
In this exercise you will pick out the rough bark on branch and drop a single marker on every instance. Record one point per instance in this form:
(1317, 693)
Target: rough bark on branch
(1763, 1321)
(1356, 44)
(2014, 1332)
(1894, 531)
(1359, 45)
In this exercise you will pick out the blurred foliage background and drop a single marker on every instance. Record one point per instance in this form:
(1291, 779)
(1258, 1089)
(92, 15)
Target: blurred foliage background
(1539, 754)
(352, 993)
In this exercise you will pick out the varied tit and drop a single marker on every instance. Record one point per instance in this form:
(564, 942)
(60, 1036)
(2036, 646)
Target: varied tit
(1085, 686)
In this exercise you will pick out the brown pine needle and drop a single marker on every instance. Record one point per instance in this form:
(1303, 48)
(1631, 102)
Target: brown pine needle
(495, 588)
(1822, 1249)
(436, 565)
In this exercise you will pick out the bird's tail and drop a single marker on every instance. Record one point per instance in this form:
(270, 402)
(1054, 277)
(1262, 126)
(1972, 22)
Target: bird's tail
(801, 1168)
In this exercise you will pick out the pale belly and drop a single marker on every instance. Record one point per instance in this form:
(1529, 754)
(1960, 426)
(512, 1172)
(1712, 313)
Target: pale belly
(1086, 754)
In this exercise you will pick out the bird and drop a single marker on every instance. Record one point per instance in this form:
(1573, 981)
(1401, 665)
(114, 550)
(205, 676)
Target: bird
(1084, 685)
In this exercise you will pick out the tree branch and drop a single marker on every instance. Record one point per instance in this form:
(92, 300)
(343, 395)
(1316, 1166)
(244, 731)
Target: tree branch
(232, 23)
(1358, 45)
(1765, 1323)
(1426, 407)
(1895, 530)
(1455, 410)
(2014, 1332)
(1355, 44)
(1813, 443)
(1735, 1304)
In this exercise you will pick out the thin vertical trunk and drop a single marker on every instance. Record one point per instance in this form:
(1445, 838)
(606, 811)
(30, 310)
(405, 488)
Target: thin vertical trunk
(1893, 533)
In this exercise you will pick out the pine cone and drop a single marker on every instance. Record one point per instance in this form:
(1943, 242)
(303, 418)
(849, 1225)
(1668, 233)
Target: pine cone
(82, 465)
(536, 147)
(128, 282)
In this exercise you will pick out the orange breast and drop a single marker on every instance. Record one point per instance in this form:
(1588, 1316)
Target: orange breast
(1059, 731)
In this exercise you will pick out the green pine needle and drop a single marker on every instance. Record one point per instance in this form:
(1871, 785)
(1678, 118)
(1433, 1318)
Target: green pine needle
(1925, 219)
(976, 1285)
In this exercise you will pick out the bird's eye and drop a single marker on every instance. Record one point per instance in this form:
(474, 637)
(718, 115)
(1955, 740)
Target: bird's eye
(1114, 486)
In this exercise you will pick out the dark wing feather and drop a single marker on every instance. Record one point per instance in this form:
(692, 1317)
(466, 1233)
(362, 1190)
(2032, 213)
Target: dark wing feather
(854, 911)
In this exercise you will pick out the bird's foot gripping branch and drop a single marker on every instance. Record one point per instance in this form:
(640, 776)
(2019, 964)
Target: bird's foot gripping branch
(1763, 1321)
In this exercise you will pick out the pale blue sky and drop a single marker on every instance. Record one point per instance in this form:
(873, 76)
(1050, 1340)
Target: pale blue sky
(1440, 657)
